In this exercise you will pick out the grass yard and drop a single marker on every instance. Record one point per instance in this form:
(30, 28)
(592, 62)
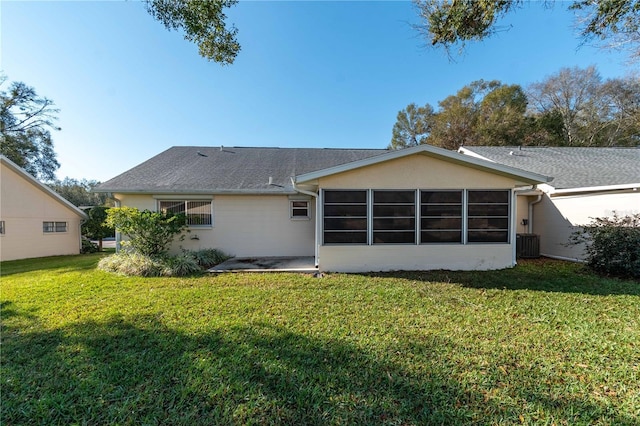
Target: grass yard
(543, 343)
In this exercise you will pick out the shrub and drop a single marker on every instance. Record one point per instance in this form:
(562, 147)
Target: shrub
(88, 246)
(135, 264)
(150, 233)
(207, 258)
(183, 265)
(612, 245)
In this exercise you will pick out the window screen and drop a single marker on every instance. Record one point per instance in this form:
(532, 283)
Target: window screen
(345, 217)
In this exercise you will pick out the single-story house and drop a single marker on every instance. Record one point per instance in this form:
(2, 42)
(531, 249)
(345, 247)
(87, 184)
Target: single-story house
(587, 183)
(34, 220)
(354, 210)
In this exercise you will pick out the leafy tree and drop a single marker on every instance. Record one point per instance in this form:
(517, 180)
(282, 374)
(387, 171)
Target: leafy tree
(412, 127)
(448, 23)
(78, 192)
(26, 122)
(593, 112)
(203, 22)
(96, 227)
(150, 233)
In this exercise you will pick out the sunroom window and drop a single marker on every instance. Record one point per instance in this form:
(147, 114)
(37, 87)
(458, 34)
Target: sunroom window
(441, 216)
(345, 217)
(394, 217)
(197, 212)
(488, 216)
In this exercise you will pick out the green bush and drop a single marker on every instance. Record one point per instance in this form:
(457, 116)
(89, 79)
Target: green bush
(150, 233)
(207, 258)
(182, 265)
(88, 246)
(612, 245)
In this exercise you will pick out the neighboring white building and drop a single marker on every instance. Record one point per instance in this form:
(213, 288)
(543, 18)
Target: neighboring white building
(354, 210)
(587, 183)
(34, 220)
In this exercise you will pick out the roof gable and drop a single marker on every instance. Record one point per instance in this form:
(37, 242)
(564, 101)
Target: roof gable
(435, 152)
(42, 187)
(571, 167)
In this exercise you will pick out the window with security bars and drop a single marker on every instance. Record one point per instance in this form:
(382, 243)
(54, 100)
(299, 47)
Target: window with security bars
(345, 217)
(49, 227)
(197, 213)
(394, 217)
(441, 216)
(488, 216)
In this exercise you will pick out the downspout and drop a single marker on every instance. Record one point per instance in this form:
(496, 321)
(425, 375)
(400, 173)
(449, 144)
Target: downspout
(118, 234)
(530, 213)
(82, 222)
(315, 232)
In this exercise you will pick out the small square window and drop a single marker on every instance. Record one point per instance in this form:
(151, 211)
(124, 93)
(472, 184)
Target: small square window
(300, 210)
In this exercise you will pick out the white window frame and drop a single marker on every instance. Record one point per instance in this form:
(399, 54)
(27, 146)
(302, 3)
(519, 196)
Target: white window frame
(186, 202)
(293, 208)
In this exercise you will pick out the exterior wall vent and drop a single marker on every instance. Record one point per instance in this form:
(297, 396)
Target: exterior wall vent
(527, 246)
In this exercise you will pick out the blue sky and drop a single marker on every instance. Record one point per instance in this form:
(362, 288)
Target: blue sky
(310, 74)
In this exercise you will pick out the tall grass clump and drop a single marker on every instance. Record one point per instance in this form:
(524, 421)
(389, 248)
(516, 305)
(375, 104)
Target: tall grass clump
(207, 258)
(141, 265)
(134, 264)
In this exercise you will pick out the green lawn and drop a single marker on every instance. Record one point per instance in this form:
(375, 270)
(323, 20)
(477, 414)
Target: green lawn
(543, 343)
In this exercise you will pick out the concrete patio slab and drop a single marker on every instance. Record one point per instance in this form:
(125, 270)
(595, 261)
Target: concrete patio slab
(303, 265)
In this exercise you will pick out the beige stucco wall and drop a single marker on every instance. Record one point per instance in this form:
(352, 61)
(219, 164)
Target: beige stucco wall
(416, 172)
(415, 257)
(23, 207)
(556, 217)
(245, 225)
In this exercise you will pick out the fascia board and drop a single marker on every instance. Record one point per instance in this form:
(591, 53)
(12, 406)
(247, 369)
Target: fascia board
(587, 189)
(41, 186)
(199, 192)
(440, 153)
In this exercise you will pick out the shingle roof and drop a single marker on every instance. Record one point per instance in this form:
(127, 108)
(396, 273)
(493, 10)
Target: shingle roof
(195, 169)
(571, 167)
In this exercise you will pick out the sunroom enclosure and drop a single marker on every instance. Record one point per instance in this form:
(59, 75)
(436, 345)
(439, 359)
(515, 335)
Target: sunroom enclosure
(384, 216)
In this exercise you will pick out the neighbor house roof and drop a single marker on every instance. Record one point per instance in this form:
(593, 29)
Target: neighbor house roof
(194, 169)
(41, 186)
(571, 167)
(219, 170)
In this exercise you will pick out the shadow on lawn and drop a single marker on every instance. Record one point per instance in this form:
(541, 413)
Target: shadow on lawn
(140, 372)
(540, 275)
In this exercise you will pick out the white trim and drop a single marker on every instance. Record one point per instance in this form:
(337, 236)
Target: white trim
(183, 197)
(604, 188)
(431, 151)
(44, 188)
(568, 259)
